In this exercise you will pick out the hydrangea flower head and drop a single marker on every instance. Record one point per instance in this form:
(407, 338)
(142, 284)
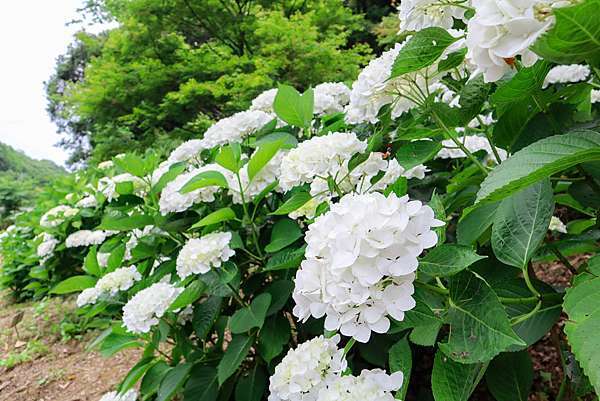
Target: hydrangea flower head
(200, 254)
(360, 262)
(147, 306)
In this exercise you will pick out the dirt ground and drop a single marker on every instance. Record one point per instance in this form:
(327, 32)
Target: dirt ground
(41, 365)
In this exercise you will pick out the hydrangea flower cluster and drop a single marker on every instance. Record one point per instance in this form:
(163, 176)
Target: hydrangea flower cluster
(121, 279)
(147, 306)
(502, 30)
(235, 128)
(304, 370)
(108, 185)
(129, 395)
(567, 74)
(313, 372)
(200, 254)
(472, 143)
(46, 247)
(86, 238)
(105, 165)
(360, 262)
(371, 385)
(87, 202)
(57, 215)
(172, 200)
(418, 14)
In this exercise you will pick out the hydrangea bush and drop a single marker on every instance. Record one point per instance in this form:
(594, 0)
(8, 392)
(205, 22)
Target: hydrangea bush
(318, 245)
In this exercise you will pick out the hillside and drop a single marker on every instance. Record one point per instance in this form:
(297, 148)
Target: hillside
(20, 178)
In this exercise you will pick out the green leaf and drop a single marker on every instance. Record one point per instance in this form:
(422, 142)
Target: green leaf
(173, 381)
(234, 355)
(230, 157)
(252, 386)
(116, 258)
(479, 326)
(418, 152)
(218, 216)
(472, 97)
(296, 201)
(400, 359)
(262, 156)
(510, 376)
(421, 50)
(74, 284)
(582, 305)
(453, 381)
(575, 36)
(131, 163)
(286, 259)
(448, 259)
(116, 342)
(205, 316)
(90, 264)
(521, 223)
(169, 176)
(280, 291)
(136, 373)
(204, 179)
(274, 335)
(202, 384)
(152, 379)
(251, 316)
(474, 222)
(188, 296)
(525, 83)
(538, 161)
(124, 222)
(284, 233)
(294, 108)
(452, 60)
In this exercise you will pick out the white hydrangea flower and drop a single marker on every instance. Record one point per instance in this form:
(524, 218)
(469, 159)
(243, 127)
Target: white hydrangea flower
(305, 369)
(186, 151)
(198, 255)
(70, 197)
(330, 97)
(86, 238)
(374, 89)
(472, 143)
(147, 306)
(567, 74)
(46, 247)
(445, 94)
(264, 101)
(418, 14)
(130, 395)
(595, 95)
(105, 165)
(371, 385)
(319, 156)
(360, 262)
(88, 296)
(88, 201)
(235, 128)
(102, 258)
(502, 30)
(557, 225)
(171, 200)
(57, 215)
(121, 279)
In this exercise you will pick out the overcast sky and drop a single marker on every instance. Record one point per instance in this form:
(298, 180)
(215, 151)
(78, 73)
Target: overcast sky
(32, 34)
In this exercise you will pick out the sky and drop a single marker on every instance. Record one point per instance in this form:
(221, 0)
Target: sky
(32, 34)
